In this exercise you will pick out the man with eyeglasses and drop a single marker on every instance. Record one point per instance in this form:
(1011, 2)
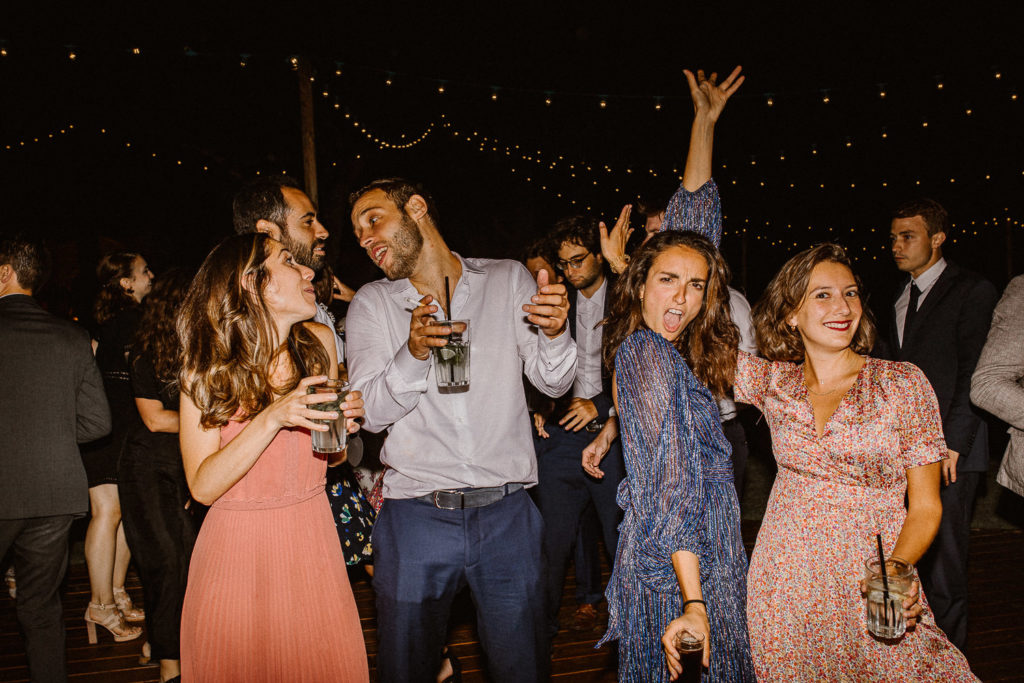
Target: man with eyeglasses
(564, 492)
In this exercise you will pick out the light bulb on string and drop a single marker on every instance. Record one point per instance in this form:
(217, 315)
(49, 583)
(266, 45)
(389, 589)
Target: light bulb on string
(657, 104)
(603, 103)
(881, 91)
(825, 99)
(769, 100)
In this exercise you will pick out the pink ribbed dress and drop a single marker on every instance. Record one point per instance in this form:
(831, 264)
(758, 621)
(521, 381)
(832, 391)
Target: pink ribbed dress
(268, 596)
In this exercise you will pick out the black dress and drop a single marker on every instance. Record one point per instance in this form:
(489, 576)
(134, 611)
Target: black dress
(114, 342)
(159, 529)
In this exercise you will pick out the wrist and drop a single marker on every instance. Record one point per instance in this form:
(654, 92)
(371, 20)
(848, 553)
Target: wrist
(695, 606)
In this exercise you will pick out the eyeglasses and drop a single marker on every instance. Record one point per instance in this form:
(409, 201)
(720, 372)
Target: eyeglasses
(575, 263)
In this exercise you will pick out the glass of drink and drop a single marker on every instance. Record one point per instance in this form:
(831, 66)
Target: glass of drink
(885, 607)
(451, 362)
(335, 438)
(691, 655)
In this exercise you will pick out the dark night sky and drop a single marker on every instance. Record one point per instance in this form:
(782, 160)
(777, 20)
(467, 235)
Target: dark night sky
(87, 190)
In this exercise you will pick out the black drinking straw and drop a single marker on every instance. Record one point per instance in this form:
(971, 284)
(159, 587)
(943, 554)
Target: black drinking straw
(885, 578)
(448, 308)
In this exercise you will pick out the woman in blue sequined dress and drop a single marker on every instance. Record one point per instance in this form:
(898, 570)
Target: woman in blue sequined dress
(680, 561)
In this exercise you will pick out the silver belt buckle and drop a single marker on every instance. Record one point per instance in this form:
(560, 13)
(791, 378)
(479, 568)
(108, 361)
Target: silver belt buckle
(444, 507)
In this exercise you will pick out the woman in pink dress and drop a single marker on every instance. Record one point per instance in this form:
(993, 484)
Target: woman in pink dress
(268, 596)
(852, 436)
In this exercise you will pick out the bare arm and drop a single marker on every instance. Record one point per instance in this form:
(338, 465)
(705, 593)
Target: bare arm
(923, 512)
(156, 417)
(695, 615)
(709, 100)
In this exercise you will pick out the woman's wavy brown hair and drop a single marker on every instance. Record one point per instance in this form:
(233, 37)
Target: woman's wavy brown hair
(112, 297)
(786, 293)
(156, 337)
(228, 339)
(709, 342)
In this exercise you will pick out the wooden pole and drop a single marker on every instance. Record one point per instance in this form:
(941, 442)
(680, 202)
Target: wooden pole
(305, 72)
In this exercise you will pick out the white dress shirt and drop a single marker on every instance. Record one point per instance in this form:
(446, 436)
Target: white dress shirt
(589, 312)
(739, 311)
(480, 437)
(925, 281)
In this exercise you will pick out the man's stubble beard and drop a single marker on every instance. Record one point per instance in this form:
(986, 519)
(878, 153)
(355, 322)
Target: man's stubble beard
(405, 248)
(304, 254)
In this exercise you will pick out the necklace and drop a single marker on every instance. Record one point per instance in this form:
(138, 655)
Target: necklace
(822, 382)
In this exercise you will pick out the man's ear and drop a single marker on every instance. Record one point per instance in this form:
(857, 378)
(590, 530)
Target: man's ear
(269, 228)
(416, 207)
(938, 239)
(6, 273)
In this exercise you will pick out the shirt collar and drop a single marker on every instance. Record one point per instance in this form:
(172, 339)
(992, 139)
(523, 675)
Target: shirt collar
(926, 279)
(596, 299)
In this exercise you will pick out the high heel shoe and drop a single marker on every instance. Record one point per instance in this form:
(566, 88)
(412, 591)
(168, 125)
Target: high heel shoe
(128, 609)
(110, 618)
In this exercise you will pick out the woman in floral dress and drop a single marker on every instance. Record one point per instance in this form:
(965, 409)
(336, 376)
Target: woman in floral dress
(853, 436)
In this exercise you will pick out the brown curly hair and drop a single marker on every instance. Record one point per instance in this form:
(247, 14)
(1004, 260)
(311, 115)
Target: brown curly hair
(156, 337)
(227, 335)
(112, 297)
(776, 340)
(709, 342)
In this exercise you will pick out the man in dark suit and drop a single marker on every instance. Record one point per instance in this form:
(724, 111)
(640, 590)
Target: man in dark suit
(564, 491)
(51, 399)
(938, 322)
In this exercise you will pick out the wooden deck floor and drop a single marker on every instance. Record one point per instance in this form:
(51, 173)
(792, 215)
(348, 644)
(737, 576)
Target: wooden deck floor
(995, 651)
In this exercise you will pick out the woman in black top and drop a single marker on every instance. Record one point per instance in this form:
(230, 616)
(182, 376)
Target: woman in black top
(154, 492)
(125, 280)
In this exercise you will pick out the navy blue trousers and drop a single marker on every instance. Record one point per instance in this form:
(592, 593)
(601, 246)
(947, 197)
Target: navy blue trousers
(563, 492)
(423, 556)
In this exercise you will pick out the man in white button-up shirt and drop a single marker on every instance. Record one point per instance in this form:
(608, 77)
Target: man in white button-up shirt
(456, 512)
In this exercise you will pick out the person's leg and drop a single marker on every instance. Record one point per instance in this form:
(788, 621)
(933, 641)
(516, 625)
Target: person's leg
(561, 496)
(587, 559)
(603, 493)
(40, 560)
(122, 558)
(101, 541)
(737, 437)
(505, 570)
(943, 569)
(419, 561)
(160, 529)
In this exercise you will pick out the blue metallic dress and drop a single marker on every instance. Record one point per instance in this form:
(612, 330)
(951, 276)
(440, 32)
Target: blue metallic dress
(678, 494)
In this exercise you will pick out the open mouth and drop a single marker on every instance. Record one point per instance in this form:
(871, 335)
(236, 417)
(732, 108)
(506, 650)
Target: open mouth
(377, 254)
(839, 326)
(673, 319)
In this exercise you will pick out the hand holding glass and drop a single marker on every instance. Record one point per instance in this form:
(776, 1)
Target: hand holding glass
(690, 646)
(885, 598)
(451, 361)
(334, 439)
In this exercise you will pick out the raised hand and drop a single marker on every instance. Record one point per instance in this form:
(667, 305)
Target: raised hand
(613, 245)
(424, 332)
(549, 308)
(709, 97)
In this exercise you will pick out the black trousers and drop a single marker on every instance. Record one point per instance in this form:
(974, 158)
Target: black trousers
(161, 533)
(40, 560)
(943, 568)
(562, 493)
(737, 437)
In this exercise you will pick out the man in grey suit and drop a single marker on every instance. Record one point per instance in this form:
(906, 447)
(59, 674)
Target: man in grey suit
(938, 322)
(998, 382)
(51, 399)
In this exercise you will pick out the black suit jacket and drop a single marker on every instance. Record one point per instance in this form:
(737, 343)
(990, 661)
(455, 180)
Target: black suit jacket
(603, 401)
(945, 339)
(51, 399)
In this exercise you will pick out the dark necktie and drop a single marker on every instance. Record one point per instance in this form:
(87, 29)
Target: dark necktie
(915, 295)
